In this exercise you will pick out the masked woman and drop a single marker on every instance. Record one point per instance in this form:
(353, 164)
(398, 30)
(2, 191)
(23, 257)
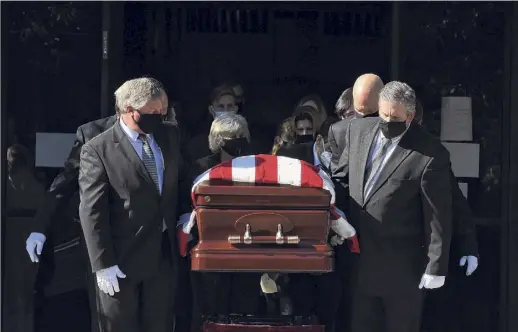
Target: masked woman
(221, 294)
(314, 101)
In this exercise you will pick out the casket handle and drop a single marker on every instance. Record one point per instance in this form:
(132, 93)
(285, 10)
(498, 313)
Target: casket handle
(279, 238)
(247, 238)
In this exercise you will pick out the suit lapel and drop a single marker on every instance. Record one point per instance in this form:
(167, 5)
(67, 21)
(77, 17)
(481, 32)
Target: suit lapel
(365, 144)
(124, 146)
(400, 153)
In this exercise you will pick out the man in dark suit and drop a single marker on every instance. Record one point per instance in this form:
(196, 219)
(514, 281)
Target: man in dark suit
(441, 307)
(400, 204)
(363, 99)
(129, 188)
(64, 188)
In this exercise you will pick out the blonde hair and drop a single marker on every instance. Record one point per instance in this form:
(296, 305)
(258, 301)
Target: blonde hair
(225, 126)
(286, 135)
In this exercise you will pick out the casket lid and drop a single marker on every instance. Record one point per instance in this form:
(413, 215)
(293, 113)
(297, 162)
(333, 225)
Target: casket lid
(225, 193)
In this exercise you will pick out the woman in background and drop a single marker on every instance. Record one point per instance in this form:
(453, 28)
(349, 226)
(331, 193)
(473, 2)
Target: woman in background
(314, 101)
(220, 294)
(286, 135)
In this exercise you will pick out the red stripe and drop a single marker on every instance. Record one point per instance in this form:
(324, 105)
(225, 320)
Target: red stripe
(309, 176)
(266, 169)
(221, 172)
(193, 199)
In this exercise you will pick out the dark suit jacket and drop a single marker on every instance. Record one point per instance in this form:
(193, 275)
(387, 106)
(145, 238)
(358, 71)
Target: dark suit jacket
(121, 211)
(65, 185)
(302, 151)
(405, 225)
(465, 233)
(203, 164)
(336, 142)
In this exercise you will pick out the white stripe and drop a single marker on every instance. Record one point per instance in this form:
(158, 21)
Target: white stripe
(243, 169)
(328, 185)
(289, 171)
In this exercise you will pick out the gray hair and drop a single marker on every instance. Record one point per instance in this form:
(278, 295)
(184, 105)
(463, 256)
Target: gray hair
(227, 126)
(137, 92)
(399, 93)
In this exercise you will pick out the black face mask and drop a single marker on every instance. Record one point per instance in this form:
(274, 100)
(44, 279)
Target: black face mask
(235, 146)
(392, 129)
(148, 123)
(303, 139)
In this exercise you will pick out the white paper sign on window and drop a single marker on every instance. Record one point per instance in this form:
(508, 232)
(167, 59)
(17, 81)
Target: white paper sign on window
(52, 149)
(464, 188)
(456, 119)
(464, 159)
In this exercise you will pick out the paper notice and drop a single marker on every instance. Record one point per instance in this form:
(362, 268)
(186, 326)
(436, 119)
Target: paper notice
(456, 119)
(464, 188)
(464, 159)
(52, 149)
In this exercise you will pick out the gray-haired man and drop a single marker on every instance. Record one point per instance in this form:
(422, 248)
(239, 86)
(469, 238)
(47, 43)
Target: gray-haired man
(128, 181)
(400, 203)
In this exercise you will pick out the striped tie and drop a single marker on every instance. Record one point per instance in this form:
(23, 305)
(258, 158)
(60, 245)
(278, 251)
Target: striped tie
(148, 159)
(372, 168)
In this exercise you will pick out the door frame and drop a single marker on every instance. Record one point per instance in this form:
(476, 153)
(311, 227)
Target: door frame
(509, 226)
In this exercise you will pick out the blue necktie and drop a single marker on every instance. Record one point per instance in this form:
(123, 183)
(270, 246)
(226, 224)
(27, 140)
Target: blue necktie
(148, 158)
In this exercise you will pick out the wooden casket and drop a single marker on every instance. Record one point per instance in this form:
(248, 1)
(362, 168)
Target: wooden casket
(261, 228)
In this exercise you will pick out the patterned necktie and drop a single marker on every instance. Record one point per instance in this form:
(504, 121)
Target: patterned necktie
(148, 158)
(375, 164)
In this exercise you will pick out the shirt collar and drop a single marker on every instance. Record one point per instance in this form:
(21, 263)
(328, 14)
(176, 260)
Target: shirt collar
(132, 134)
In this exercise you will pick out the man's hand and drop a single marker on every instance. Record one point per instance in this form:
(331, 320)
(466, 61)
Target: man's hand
(34, 246)
(431, 282)
(472, 264)
(107, 279)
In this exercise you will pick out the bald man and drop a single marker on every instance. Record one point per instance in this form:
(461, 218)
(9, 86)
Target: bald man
(362, 103)
(365, 96)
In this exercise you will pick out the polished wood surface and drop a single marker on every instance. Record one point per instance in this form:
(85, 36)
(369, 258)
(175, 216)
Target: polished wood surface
(262, 219)
(218, 327)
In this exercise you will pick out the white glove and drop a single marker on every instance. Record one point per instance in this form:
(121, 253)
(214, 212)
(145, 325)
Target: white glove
(336, 240)
(472, 264)
(107, 279)
(431, 282)
(268, 284)
(34, 246)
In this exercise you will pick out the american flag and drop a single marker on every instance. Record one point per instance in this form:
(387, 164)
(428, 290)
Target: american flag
(270, 169)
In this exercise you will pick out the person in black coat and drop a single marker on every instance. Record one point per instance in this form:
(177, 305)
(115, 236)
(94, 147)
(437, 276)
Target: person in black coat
(62, 191)
(129, 183)
(360, 101)
(23, 281)
(441, 310)
(222, 294)
(302, 148)
(400, 204)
